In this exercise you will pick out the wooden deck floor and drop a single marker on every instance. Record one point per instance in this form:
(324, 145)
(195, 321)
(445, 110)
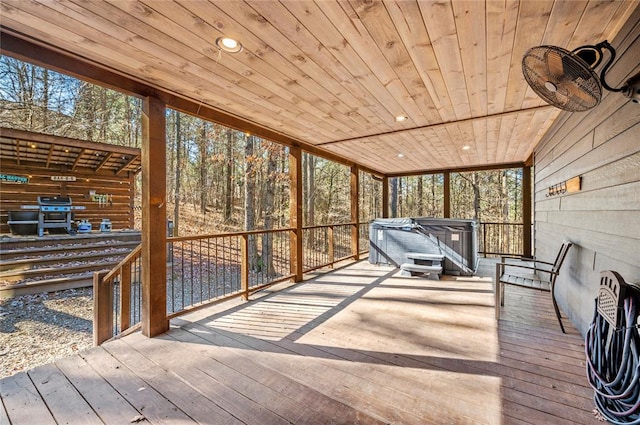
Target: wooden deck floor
(358, 345)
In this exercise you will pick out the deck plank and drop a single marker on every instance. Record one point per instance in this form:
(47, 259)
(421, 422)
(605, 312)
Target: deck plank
(61, 398)
(170, 385)
(111, 407)
(152, 405)
(23, 402)
(360, 345)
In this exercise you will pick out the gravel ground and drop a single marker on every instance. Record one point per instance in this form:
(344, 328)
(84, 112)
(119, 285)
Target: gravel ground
(38, 329)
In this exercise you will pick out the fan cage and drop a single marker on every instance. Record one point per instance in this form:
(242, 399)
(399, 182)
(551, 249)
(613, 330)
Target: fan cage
(577, 87)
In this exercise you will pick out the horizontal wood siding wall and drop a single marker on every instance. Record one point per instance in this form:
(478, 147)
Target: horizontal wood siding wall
(603, 219)
(119, 187)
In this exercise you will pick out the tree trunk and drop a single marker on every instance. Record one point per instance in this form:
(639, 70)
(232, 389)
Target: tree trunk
(311, 189)
(420, 201)
(249, 201)
(45, 99)
(203, 171)
(476, 196)
(394, 197)
(176, 193)
(228, 200)
(268, 204)
(434, 206)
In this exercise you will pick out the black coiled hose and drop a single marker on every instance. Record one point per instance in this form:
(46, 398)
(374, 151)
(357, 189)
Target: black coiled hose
(613, 364)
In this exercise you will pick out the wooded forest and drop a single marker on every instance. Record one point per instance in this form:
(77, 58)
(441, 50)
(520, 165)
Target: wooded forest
(220, 179)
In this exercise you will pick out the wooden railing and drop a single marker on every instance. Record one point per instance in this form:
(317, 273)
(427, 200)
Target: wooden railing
(206, 269)
(495, 239)
(213, 268)
(117, 298)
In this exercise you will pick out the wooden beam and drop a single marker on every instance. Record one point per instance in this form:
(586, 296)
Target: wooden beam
(154, 217)
(498, 166)
(77, 160)
(438, 125)
(104, 161)
(295, 215)
(129, 162)
(447, 195)
(355, 212)
(526, 211)
(51, 148)
(28, 136)
(385, 197)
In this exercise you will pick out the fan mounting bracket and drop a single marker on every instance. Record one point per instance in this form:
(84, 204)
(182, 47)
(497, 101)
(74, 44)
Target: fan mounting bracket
(632, 89)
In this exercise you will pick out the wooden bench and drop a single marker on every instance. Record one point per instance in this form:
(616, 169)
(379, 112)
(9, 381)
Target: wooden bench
(529, 273)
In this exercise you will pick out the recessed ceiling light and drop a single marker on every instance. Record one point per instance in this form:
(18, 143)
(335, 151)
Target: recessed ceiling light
(33, 146)
(401, 118)
(229, 44)
(466, 147)
(400, 155)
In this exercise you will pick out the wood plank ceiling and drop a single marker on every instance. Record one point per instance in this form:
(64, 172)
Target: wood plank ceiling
(335, 74)
(42, 152)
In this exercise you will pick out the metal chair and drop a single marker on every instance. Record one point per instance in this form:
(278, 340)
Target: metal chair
(530, 273)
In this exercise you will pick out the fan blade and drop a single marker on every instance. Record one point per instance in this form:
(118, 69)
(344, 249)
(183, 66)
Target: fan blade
(578, 91)
(554, 63)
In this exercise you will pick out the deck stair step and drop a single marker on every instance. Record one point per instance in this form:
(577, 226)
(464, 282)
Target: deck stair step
(63, 262)
(410, 269)
(422, 263)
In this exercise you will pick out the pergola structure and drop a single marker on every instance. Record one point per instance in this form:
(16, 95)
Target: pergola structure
(391, 88)
(96, 176)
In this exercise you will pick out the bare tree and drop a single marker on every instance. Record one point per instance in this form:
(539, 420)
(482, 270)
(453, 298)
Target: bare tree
(228, 204)
(249, 200)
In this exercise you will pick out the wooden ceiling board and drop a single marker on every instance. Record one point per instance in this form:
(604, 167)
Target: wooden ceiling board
(188, 72)
(334, 74)
(373, 28)
(313, 52)
(503, 16)
(269, 70)
(336, 101)
(324, 32)
(530, 28)
(411, 28)
(470, 19)
(440, 22)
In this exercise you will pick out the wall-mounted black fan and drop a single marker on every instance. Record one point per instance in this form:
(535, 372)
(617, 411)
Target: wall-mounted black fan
(567, 79)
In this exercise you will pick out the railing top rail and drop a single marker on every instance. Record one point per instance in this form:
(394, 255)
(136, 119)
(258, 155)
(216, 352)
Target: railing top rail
(500, 223)
(228, 234)
(132, 255)
(322, 226)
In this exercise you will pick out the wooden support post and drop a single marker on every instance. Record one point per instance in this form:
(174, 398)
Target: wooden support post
(154, 219)
(125, 296)
(526, 211)
(385, 197)
(102, 309)
(295, 173)
(355, 212)
(332, 255)
(244, 267)
(447, 195)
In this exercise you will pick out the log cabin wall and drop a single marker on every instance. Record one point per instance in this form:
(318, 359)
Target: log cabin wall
(603, 218)
(99, 177)
(118, 208)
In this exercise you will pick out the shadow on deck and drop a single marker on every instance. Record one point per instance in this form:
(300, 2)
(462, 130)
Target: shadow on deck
(357, 345)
